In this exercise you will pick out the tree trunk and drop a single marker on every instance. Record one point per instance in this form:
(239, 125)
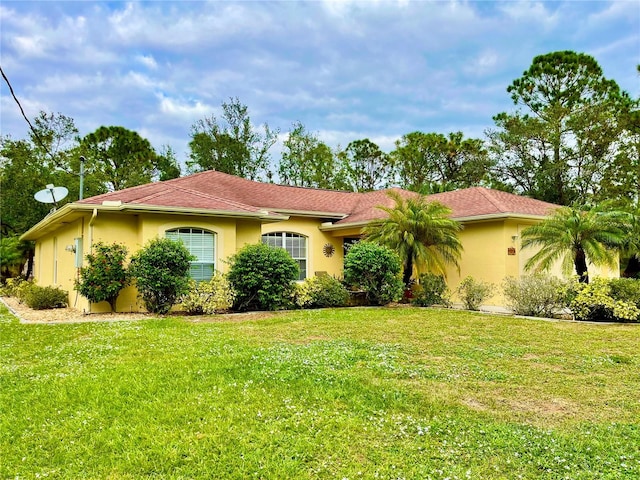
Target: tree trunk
(633, 268)
(408, 271)
(580, 261)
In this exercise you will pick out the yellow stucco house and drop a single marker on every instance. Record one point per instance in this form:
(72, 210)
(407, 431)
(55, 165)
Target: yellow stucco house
(215, 214)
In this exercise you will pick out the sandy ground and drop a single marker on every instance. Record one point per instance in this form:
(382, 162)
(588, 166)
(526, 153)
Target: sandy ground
(72, 315)
(64, 315)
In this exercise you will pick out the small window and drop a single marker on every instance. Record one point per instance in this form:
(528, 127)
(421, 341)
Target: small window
(294, 244)
(201, 244)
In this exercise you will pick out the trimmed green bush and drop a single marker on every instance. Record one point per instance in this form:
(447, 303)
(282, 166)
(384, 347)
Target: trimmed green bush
(597, 302)
(44, 298)
(431, 290)
(375, 270)
(320, 292)
(161, 272)
(105, 275)
(262, 277)
(214, 296)
(535, 295)
(474, 292)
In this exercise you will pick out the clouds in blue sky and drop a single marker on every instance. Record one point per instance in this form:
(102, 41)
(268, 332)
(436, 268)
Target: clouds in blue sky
(347, 70)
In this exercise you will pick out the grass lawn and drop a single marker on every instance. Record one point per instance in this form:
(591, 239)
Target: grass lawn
(346, 393)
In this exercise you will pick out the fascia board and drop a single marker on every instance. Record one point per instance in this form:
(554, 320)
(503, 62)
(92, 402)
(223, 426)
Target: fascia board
(66, 210)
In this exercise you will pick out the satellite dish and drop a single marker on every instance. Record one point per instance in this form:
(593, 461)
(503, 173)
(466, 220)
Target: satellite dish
(51, 194)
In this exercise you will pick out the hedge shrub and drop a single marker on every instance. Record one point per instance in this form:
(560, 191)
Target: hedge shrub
(431, 290)
(262, 277)
(320, 292)
(374, 269)
(535, 295)
(161, 272)
(474, 292)
(214, 296)
(606, 300)
(44, 298)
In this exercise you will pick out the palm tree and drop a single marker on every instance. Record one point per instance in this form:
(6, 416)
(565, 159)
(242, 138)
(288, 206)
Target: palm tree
(576, 236)
(420, 232)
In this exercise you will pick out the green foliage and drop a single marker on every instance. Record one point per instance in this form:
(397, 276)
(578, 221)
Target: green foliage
(120, 158)
(12, 255)
(214, 296)
(606, 300)
(420, 232)
(474, 292)
(308, 162)
(105, 275)
(431, 290)
(13, 287)
(42, 298)
(321, 291)
(535, 295)
(161, 272)
(365, 166)
(232, 144)
(263, 277)
(567, 131)
(424, 160)
(374, 269)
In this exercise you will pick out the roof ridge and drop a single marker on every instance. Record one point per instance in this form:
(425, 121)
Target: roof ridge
(488, 194)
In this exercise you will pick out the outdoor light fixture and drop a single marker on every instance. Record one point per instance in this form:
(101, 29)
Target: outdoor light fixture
(70, 248)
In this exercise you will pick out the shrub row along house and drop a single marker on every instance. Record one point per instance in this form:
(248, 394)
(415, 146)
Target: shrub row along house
(216, 214)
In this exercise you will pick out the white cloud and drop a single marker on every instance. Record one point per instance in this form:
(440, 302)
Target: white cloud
(148, 61)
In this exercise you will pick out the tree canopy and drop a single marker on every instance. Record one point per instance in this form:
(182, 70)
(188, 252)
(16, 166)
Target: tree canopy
(566, 132)
(231, 144)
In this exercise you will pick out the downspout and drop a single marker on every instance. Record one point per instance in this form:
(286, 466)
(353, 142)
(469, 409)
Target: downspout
(91, 222)
(94, 215)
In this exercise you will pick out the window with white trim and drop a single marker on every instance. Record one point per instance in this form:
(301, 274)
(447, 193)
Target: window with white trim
(201, 244)
(294, 244)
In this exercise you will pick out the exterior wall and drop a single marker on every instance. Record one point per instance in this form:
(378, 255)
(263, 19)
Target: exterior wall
(316, 240)
(492, 249)
(54, 265)
(485, 256)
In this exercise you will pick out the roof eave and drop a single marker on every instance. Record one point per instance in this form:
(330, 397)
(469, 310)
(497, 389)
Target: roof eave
(467, 219)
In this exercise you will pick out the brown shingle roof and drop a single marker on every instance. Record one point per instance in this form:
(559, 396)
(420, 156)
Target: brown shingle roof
(214, 190)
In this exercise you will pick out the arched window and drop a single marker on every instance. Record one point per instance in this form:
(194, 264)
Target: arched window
(201, 244)
(294, 244)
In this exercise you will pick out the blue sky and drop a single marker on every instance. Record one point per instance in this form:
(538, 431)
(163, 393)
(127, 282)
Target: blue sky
(346, 70)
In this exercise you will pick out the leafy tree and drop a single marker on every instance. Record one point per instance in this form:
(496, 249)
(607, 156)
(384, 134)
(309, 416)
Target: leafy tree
(119, 158)
(27, 166)
(374, 269)
(425, 160)
(366, 167)
(575, 236)
(161, 272)
(263, 277)
(105, 275)
(562, 141)
(232, 144)
(167, 166)
(308, 162)
(420, 232)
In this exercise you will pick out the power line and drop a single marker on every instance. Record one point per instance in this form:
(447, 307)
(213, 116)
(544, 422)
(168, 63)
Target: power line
(35, 133)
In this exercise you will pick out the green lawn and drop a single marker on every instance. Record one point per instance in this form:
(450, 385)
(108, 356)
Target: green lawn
(346, 393)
